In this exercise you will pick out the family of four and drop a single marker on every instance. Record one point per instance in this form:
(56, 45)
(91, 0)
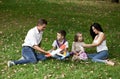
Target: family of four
(34, 37)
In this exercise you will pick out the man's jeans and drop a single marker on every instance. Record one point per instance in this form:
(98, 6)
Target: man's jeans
(29, 56)
(99, 56)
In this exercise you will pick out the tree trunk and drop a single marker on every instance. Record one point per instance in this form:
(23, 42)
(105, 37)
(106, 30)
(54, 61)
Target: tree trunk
(115, 1)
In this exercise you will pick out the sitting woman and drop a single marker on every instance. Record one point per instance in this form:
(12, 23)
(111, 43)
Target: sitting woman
(99, 41)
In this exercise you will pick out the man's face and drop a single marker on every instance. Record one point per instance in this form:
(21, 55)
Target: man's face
(42, 27)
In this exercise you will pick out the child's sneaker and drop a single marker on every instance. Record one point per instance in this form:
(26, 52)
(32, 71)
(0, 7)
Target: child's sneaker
(62, 58)
(10, 63)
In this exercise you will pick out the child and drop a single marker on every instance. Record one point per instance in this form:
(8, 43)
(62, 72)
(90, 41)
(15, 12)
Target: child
(60, 42)
(77, 49)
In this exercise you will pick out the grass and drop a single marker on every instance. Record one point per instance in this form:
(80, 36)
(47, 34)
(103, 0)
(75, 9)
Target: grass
(18, 16)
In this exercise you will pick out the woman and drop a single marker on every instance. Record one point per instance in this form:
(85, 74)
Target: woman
(99, 41)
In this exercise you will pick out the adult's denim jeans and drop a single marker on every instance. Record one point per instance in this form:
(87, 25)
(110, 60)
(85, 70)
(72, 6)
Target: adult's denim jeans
(29, 56)
(99, 56)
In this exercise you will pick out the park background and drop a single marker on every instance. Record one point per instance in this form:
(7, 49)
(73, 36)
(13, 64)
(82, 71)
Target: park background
(18, 16)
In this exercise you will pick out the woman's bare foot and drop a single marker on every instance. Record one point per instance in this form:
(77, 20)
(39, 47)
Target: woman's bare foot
(110, 62)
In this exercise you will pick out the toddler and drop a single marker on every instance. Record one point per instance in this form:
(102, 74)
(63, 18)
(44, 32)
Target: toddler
(77, 49)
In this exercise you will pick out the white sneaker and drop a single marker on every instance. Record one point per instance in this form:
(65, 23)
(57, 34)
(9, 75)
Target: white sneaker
(10, 63)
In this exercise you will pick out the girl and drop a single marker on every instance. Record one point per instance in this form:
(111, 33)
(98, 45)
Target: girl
(99, 41)
(77, 49)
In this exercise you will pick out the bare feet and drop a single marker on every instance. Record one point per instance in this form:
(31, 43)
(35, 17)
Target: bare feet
(110, 62)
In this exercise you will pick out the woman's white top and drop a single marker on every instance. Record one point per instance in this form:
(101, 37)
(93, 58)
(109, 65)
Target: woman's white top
(102, 46)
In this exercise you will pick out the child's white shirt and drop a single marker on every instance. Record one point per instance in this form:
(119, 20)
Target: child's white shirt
(56, 45)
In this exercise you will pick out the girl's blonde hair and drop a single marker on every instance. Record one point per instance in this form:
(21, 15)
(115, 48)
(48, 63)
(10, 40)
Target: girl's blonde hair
(76, 37)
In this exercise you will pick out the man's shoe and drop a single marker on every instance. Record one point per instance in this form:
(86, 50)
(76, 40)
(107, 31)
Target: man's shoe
(10, 63)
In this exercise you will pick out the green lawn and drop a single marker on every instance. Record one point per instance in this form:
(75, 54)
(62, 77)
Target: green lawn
(18, 16)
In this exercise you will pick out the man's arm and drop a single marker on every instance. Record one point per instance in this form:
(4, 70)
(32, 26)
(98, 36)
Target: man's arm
(40, 49)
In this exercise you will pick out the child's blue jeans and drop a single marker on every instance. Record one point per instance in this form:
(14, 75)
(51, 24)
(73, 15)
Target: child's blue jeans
(99, 56)
(29, 56)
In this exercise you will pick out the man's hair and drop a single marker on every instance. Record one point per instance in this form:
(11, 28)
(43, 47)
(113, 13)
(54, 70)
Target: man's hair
(41, 22)
(62, 32)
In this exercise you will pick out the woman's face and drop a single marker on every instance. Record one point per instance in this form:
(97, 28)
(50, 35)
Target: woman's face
(95, 30)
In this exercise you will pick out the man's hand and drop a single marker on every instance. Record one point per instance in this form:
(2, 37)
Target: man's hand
(46, 52)
(36, 47)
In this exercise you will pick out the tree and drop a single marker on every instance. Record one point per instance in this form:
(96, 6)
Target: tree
(116, 1)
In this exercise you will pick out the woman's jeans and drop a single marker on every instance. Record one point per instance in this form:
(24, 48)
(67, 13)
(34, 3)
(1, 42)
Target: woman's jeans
(29, 56)
(99, 56)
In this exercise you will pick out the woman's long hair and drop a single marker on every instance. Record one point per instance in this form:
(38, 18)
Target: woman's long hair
(96, 26)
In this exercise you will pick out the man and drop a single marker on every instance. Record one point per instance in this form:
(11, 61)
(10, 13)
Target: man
(31, 43)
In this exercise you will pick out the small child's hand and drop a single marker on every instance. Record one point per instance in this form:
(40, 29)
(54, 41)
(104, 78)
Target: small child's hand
(61, 52)
(76, 53)
(81, 52)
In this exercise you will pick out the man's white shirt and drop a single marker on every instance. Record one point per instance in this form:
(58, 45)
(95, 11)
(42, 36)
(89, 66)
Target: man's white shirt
(33, 37)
